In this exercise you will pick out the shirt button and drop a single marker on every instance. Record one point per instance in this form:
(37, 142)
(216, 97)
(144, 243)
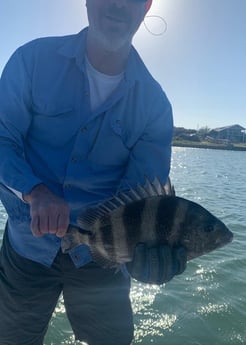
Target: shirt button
(83, 129)
(74, 159)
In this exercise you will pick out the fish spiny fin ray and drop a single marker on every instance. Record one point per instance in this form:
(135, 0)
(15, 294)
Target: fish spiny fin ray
(169, 188)
(89, 217)
(135, 194)
(151, 188)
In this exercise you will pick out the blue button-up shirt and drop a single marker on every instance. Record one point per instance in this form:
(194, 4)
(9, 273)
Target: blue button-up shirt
(48, 134)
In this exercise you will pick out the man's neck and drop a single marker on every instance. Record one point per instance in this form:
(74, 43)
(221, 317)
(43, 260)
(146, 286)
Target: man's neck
(106, 61)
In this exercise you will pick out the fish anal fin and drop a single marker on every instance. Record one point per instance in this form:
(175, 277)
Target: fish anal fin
(99, 259)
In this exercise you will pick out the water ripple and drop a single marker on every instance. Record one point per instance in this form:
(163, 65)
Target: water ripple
(207, 303)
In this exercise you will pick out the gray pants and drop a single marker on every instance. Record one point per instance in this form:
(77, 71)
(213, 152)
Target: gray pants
(96, 300)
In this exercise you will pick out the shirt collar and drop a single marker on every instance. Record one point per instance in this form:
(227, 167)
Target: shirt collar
(75, 48)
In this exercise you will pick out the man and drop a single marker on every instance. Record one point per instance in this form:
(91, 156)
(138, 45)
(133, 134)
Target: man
(80, 118)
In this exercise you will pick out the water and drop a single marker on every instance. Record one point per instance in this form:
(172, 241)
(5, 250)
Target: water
(207, 303)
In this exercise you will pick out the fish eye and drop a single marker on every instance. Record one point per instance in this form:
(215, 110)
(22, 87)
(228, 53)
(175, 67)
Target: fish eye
(209, 228)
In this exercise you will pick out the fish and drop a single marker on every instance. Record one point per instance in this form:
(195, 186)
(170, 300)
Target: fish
(151, 214)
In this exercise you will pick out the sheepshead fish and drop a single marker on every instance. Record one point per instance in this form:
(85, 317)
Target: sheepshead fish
(151, 215)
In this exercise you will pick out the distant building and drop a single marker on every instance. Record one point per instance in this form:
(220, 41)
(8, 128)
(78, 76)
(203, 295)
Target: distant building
(229, 134)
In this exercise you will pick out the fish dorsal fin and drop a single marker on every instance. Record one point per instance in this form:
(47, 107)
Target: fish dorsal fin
(149, 189)
(169, 188)
(87, 220)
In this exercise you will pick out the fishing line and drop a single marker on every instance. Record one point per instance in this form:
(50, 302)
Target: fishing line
(164, 23)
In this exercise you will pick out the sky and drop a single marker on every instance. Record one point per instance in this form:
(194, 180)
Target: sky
(200, 60)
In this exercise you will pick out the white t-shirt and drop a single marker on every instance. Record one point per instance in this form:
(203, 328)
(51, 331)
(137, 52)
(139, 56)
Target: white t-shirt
(101, 85)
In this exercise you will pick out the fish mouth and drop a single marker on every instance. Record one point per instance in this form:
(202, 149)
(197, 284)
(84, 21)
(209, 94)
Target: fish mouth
(230, 236)
(228, 239)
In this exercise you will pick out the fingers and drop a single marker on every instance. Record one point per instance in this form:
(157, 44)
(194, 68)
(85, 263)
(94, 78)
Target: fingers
(152, 265)
(138, 267)
(180, 260)
(157, 265)
(62, 225)
(49, 213)
(35, 226)
(56, 225)
(166, 271)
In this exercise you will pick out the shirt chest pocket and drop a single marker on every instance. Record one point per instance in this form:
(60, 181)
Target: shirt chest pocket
(110, 147)
(53, 126)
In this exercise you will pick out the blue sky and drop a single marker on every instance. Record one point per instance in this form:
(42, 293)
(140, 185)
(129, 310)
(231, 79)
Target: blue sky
(200, 61)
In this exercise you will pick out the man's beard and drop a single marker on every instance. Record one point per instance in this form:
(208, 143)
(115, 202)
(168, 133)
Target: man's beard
(114, 42)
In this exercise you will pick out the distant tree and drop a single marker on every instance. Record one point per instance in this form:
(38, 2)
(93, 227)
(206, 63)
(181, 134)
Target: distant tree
(179, 131)
(203, 132)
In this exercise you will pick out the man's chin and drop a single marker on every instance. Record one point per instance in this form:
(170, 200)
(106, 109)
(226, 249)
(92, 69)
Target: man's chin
(115, 44)
(113, 40)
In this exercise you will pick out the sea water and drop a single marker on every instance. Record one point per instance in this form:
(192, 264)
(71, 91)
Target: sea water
(207, 303)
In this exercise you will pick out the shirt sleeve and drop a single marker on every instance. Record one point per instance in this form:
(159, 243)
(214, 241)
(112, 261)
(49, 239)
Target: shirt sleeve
(16, 192)
(151, 155)
(15, 119)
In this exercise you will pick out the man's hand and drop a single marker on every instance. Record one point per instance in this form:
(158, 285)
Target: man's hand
(49, 213)
(157, 265)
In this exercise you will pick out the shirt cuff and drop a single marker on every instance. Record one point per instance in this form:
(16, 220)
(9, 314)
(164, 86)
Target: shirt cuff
(16, 192)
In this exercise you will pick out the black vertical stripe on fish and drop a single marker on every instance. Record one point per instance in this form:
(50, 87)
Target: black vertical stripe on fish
(148, 228)
(132, 220)
(108, 238)
(166, 217)
(105, 237)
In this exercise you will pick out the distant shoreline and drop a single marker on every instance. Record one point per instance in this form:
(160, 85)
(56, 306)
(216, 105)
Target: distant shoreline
(208, 145)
